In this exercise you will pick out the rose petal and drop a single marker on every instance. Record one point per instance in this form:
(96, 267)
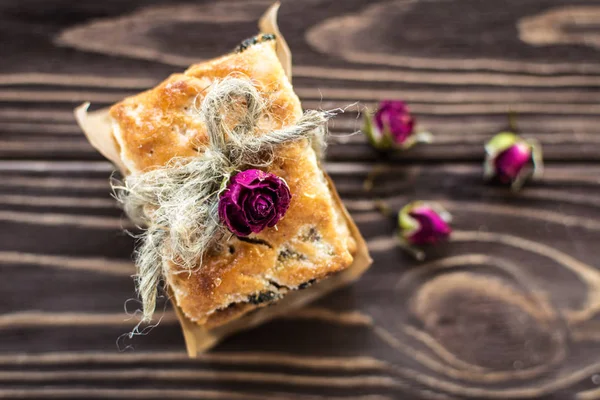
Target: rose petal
(394, 119)
(432, 228)
(224, 201)
(285, 198)
(266, 222)
(245, 198)
(262, 205)
(258, 209)
(236, 221)
(510, 162)
(250, 178)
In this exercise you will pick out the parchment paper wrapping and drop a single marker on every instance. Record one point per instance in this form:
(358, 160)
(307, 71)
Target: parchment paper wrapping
(97, 127)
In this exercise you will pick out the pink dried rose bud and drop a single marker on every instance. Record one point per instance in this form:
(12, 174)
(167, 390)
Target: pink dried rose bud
(392, 126)
(253, 201)
(512, 160)
(423, 223)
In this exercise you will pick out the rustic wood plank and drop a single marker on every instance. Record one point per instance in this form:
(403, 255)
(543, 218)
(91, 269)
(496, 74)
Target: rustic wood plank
(499, 260)
(568, 132)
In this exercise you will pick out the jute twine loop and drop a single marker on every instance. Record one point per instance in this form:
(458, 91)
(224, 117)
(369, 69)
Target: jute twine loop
(179, 202)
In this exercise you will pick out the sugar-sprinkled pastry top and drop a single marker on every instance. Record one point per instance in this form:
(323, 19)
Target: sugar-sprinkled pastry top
(310, 243)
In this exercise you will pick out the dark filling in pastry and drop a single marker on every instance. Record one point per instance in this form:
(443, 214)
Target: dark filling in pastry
(254, 241)
(263, 297)
(289, 254)
(312, 235)
(286, 254)
(268, 296)
(306, 284)
(257, 301)
(254, 40)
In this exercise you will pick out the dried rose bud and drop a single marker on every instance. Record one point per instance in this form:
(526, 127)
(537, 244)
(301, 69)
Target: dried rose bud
(393, 127)
(511, 159)
(253, 201)
(423, 223)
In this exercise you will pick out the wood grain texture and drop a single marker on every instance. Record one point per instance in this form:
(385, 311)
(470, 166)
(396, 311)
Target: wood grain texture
(508, 309)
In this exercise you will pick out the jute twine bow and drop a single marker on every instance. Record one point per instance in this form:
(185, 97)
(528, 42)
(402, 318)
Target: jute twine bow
(178, 203)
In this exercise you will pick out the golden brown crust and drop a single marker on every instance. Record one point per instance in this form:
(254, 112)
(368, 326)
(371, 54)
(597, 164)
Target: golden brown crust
(154, 126)
(310, 243)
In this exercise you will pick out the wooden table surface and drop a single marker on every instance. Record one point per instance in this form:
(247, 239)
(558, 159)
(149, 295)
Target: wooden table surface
(508, 309)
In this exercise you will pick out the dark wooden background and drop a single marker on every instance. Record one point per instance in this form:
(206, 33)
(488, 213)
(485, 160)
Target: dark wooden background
(508, 309)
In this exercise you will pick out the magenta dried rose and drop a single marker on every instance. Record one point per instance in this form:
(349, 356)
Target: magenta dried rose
(395, 118)
(511, 162)
(393, 127)
(511, 159)
(423, 223)
(253, 201)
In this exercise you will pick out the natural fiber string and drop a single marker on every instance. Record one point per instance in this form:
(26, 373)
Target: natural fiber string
(179, 202)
